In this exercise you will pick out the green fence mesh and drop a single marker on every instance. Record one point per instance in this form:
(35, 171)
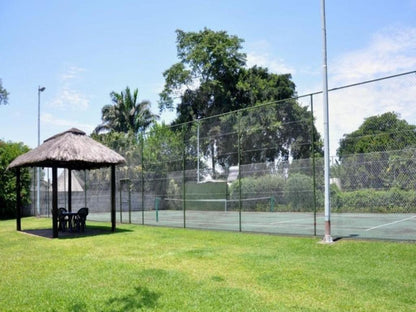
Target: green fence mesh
(259, 170)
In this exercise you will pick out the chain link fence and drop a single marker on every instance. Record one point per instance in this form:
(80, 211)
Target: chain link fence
(261, 170)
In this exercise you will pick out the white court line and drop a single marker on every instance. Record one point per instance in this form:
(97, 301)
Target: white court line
(387, 224)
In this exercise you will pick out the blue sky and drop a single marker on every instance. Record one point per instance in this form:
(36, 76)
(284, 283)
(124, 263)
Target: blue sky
(82, 50)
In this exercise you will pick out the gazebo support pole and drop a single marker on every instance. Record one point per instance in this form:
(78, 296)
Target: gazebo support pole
(18, 201)
(55, 202)
(113, 198)
(69, 190)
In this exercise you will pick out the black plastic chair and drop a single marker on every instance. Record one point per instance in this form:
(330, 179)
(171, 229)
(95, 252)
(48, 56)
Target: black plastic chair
(62, 219)
(80, 219)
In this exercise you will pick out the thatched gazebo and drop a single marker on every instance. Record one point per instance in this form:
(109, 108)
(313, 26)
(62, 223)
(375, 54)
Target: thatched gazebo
(72, 150)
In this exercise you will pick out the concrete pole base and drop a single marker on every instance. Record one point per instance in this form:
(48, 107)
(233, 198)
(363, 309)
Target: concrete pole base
(327, 238)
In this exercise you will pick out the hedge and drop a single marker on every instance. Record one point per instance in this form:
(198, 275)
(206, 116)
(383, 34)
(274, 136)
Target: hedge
(393, 200)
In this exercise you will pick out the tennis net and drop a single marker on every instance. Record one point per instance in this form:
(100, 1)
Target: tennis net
(221, 204)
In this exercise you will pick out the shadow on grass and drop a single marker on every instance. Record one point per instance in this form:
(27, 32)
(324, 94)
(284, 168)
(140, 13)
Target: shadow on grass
(90, 230)
(345, 237)
(141, 297)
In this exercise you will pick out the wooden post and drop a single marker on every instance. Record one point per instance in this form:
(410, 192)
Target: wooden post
(69, 190)
(113, 198)
(55, 202)
(18, 201)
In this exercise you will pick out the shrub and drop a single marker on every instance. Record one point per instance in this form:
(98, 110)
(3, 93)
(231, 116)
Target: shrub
(299, 192)
(8, 152)
(263, 186)
(173, 191)
(267, 185)
(368, 200)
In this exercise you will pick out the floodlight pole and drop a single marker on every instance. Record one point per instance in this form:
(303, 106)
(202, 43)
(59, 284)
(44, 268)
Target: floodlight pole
(327, 238)
(40, 89)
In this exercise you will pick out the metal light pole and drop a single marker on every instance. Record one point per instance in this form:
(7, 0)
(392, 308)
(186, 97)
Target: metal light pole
(40, 89)
(327, 237)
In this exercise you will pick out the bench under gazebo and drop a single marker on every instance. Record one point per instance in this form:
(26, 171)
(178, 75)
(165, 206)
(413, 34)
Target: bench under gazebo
(72, 150)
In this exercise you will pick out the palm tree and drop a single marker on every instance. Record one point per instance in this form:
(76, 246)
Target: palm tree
(126, 114)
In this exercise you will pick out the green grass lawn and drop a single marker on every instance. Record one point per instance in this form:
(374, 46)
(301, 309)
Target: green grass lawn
(141, 268)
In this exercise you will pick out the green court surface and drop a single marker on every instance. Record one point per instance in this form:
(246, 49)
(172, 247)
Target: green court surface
(343, 225)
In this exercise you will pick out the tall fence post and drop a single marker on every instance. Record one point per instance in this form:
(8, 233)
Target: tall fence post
(313, 165)
(239, 171)
(142, 176)
(184, 176)
(34, 191)
(197, 152)
(121, 200)
(129, 185)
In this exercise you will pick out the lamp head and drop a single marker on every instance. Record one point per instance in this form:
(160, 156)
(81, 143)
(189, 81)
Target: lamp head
(41, 89)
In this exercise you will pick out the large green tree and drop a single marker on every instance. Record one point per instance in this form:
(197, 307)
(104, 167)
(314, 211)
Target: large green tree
(212, 78)
(379, 154)
(163, 149)
(379, 133)
(8, 152)
(257, 85)
(206, 75)
(126, 114)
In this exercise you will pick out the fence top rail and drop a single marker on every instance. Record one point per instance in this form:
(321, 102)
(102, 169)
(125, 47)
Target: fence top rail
(298, 97)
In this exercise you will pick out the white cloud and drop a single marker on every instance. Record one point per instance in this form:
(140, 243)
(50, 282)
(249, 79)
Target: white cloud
(63, 124)
(390, 52)
(264, 59)
(71, 73)
(68, 97)
(259, 55)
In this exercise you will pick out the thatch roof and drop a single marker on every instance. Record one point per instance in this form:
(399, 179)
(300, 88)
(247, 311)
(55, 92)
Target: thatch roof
(71, 149)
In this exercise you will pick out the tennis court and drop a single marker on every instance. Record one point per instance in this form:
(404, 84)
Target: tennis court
(365, 225)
